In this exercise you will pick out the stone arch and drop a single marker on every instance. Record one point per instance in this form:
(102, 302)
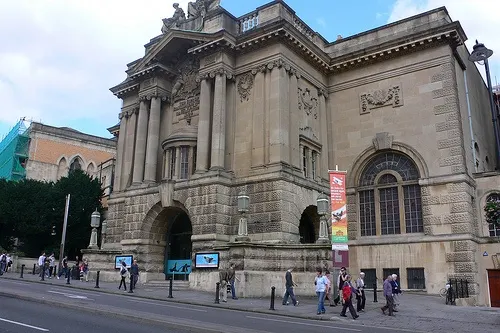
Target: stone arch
(91, 168)
(360, 162)
(309, 225)
(152, 227)
(482, 217)
(62, 167)
(77, 163)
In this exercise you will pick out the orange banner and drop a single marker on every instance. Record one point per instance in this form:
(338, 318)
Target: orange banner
(339, 207)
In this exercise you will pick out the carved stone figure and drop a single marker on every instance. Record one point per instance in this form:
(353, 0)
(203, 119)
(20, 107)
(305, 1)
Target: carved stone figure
(245, 84)
(174, 21)
(201, 7)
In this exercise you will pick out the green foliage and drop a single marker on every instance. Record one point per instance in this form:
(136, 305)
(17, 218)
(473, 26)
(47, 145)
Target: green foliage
(492, 209)
(31, 209)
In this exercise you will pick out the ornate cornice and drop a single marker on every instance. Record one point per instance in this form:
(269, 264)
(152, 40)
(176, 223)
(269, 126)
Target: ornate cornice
(153, 69)
(125, 88)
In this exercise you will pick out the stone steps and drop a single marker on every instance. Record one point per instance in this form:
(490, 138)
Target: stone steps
(177, 285)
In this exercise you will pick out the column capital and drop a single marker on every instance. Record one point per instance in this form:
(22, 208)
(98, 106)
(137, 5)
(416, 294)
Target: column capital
(323, 92)
(220, 71)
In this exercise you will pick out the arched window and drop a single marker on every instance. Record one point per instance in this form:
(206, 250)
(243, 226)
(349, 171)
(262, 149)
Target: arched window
(75, 165)
(62, 168)
(389, 196)
(494, 231)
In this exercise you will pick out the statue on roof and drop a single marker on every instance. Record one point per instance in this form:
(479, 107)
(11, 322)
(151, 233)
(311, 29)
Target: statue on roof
(201, 7)
(173, 22)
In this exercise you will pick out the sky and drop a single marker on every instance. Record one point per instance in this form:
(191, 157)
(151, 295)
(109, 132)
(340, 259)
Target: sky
(58, 58)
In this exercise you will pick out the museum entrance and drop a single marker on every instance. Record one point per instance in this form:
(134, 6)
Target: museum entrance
(178, 250)
(309, 225)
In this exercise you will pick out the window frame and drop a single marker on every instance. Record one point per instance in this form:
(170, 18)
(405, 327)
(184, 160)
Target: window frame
(493, 231)
(184, 162)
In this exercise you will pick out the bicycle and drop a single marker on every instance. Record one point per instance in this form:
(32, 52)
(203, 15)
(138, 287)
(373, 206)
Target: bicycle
(443, 292)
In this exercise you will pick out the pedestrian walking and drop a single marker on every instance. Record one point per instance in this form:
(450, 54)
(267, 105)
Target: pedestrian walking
(134, 270)
(232, 277)
(328, 291)
(3, 263)
(360, 297)
(64, 268)
(289, 284)
(340, 283)
(52, 263)
(396, 291)
(41, 264)
(124, 274)
(223, 281)
(9, 263)
(320, 283)
(84, 268)
(348, 291)
(388, 296)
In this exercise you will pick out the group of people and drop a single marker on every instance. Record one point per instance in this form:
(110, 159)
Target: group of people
(227, 278)
(125, 275)
(47, 267)
(391, 294)
(5, 263)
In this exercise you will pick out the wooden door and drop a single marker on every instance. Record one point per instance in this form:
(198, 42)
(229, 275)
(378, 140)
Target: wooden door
(494, 283)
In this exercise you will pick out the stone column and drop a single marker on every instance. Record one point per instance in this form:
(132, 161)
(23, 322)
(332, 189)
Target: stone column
(153, 140)
(219, 123)
(129, 148)
(295, 151)
(258, 119)
(323, 162)
(203, 140)
(190, 161)
(177, 165)
(279, 122)
(140, 145)
(120, 152)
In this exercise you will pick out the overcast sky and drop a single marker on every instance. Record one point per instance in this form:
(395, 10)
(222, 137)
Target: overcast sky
(58, 58)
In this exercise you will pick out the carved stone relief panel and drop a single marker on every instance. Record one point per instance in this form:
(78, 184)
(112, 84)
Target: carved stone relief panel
(380, 98)
(186, 92)
(244, 86)
(308, 110)
(308, 102)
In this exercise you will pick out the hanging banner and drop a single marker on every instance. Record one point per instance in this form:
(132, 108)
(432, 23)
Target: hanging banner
(339, 207)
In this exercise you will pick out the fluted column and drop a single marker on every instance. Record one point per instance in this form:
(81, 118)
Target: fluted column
(120, 151)
(153, 140)
(203, 141)
(323, 120)
(177, 165)
(219, 123)
(190, 161)
(140, 145)
(129, 148)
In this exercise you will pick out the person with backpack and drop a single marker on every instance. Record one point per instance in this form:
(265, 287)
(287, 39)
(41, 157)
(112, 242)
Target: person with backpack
(347, 292)
(321, 285)
(124, 275)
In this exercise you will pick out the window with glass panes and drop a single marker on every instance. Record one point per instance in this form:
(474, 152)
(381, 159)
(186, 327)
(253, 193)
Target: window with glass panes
(184, 162)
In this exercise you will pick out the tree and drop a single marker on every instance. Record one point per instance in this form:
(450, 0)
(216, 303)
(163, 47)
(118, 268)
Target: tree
(31, 209)
(492, 210)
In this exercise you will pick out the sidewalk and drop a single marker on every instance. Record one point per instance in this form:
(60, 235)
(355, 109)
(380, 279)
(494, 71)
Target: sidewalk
(417, 312)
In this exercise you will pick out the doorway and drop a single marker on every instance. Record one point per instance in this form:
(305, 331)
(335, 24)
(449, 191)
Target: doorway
(179, 247)
(494, 287)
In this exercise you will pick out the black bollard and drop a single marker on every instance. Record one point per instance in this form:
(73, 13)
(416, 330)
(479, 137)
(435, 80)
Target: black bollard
(217, 289)
(68, 276)
(375, 293)
(34, 269)
(273, 294)
(22, 270)
(170, 287)
(131, 286)
(97, 279)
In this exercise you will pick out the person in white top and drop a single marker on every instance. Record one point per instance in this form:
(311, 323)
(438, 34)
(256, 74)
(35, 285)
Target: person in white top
(9, 263)
(328, 291)
(360, 297)
(321, 285)
(41, 264)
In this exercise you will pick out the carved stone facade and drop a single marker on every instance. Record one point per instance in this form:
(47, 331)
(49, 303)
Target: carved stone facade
(217, 106)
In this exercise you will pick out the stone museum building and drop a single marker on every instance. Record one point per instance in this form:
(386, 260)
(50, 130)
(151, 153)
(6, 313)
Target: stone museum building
(221, 109)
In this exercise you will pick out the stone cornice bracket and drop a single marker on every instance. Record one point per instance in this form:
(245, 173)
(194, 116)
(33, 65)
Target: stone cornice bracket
(323, 92)
(380, 98)
(125, 89)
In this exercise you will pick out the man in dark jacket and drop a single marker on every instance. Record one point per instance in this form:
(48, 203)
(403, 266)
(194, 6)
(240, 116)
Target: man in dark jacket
(289, 284)
(388, 296)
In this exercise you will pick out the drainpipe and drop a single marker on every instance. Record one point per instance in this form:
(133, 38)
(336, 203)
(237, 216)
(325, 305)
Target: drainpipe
(470, 122)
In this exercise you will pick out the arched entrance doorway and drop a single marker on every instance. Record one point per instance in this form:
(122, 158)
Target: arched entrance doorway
(179, 247)
(309, 225)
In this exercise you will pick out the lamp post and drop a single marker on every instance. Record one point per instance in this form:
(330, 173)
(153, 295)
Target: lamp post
(482, 53)
(95, 222)
(322, 204)
(243, 204)
(104, 228)
(65, 226)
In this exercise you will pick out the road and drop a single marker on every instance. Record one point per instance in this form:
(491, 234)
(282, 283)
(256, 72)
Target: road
(19, 316)
(147, 314)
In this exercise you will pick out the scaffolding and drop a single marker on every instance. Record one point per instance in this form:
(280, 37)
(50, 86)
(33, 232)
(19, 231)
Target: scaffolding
(14, 149)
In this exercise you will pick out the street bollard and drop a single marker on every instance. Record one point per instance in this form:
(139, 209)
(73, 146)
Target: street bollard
(273, 294)
(22, 270)
(131, 287)
(217, 289)
(375, 293)
(68, 276)
(97, 279)
(170, 287)
(34, 268)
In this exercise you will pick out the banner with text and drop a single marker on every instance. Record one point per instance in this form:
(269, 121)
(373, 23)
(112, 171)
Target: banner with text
(339, 207)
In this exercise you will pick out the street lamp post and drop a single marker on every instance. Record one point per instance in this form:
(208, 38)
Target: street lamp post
(482, 53)
(243, 204)
(95, 222)
(65, 226)
(104, 228)
(322, 204)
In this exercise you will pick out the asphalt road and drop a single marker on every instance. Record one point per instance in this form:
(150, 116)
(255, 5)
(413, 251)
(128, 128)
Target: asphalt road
(150, 312)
